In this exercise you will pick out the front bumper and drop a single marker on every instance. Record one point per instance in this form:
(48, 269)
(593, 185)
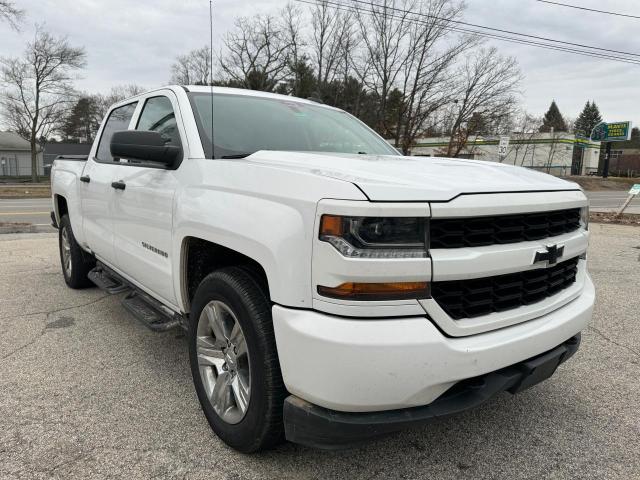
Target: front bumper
(319, 427)
(373, 365)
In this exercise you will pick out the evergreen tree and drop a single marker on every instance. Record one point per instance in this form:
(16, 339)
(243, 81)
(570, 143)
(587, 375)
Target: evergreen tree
(82, 122)
(588, 119)
(553, 119)
(477, 124)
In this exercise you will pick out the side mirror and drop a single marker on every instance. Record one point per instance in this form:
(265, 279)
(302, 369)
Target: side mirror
(143, 145)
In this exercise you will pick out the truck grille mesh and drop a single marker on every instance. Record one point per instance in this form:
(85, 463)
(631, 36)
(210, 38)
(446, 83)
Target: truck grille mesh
(481, 296)
(502, 229)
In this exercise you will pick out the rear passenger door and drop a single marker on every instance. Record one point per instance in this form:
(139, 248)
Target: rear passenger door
(143, 211)
(96, 192)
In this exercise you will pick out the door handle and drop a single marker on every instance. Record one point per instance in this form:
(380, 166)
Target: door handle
(85, 179)
(118, 185)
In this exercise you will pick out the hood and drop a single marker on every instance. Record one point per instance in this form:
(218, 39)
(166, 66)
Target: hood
(389, 178)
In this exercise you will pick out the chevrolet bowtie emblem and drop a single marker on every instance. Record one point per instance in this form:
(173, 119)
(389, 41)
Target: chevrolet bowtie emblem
(551, 255)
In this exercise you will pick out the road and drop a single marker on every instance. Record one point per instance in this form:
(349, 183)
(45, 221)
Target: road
(611, 200)
(26, 210)
(36, 210)
(87, 392)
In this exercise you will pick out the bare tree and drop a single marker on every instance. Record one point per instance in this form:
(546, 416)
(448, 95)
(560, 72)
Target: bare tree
(332, 38)
(194, 68)
(553, 149)
(384, 30)
(39, 88)
(292, 31)
(426, 84)
(256, 53)
(10, 14)
(487, 86)
(115, 95)
(525, 130)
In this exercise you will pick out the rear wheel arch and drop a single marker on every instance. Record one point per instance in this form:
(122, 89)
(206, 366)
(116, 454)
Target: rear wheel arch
(61, 207)
(200, 257)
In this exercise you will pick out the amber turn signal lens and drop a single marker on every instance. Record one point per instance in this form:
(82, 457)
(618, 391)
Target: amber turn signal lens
(331, 225)
(377, 291)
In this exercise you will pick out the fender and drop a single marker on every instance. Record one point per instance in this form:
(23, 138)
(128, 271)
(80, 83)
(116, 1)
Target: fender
(266, 214)
(64, 183)
(274, 235)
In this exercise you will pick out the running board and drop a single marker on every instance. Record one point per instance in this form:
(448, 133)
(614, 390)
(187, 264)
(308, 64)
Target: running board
(151, 313)
(107, 281)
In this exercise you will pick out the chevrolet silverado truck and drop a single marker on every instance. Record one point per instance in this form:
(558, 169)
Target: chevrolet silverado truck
(333, 290)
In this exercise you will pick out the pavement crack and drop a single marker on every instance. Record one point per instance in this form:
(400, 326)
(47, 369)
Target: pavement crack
(28, 344)
(610, 340)
(71, 461)
(51, 312)
(45, 328)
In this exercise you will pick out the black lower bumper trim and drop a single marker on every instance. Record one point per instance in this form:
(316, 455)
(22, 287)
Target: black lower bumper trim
(54, 224)
(320, 427)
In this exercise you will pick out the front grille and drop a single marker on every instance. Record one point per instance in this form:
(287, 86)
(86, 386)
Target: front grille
(502, 229)
(481, 296)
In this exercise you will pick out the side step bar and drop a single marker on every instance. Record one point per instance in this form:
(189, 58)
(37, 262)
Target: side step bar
(107, 281)
(149, 311)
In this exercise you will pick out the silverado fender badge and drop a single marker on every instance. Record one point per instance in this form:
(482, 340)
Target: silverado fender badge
(551, 254)
(155, 250)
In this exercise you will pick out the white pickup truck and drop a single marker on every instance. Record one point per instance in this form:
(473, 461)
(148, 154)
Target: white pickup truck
(333, 291)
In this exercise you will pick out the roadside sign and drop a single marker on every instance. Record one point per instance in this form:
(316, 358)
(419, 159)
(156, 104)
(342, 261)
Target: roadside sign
(611, 132)
(503, 146)
(635, 190)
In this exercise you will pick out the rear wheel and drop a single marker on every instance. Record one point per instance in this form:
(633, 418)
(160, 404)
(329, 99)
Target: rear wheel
(234, 361)
(76, 263)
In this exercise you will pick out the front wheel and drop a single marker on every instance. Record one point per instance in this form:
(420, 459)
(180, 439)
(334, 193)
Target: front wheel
(76, 264)
(234, 362)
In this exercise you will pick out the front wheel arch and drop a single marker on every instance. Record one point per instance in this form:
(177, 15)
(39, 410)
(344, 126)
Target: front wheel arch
(201, 257)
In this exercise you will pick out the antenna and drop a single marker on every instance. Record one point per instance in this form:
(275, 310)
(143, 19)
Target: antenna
(213, 145)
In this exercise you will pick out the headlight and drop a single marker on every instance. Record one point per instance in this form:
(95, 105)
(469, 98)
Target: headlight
(375, 237)
(584, 216)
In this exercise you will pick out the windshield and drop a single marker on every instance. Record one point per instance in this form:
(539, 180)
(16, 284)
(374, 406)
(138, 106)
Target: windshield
(246, 124)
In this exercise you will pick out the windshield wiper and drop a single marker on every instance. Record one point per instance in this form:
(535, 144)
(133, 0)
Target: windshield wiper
(237, 155)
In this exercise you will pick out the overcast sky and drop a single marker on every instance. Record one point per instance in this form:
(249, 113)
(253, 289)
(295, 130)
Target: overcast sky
(136, 41)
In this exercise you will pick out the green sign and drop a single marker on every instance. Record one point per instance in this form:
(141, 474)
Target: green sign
(611, 132)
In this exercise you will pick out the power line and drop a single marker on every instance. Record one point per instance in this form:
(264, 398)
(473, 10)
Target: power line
(560, 48)
(589, 9)
(499, 30)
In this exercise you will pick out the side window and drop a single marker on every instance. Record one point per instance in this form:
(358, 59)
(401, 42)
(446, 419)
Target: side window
(118, 120)
(158, 116)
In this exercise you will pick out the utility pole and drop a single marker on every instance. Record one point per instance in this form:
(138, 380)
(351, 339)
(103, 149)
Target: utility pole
(607, 160)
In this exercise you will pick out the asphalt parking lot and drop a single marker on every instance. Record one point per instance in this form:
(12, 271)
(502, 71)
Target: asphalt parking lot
(87, 392)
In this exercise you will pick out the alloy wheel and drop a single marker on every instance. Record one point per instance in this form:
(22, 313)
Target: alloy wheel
(223, 361)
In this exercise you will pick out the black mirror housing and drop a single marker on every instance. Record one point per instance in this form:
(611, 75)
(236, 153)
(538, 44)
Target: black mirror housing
(147, 146)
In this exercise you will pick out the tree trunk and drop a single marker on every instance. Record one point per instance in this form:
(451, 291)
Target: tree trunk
(34, 160)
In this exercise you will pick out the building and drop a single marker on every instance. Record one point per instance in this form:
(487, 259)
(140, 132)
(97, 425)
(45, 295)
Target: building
(560, 154)
(625, 162)
(15, 156)
(53, 149)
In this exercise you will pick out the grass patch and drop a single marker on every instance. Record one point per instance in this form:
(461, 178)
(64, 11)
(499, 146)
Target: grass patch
(27, 190)
(610, 217)
(600, 184)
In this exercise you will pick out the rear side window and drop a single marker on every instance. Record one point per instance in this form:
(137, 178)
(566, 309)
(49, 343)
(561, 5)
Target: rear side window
(158, 116)
(119, 119)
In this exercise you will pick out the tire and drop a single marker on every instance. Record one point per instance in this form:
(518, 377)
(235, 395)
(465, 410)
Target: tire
(78, 263)
(234, 296)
